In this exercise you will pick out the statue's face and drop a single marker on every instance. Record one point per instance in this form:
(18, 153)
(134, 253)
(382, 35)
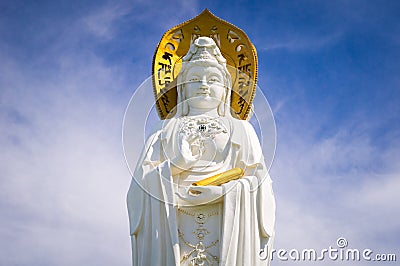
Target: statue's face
(204, 87)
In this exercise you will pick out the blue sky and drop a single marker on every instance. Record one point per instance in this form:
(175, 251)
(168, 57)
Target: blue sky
(329, 69)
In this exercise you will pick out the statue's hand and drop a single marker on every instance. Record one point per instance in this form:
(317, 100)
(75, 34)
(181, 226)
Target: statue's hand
(189, 152)
(199, 195)
(190, 146)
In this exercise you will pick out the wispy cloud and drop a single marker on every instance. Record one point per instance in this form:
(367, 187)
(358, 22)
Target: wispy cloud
(63, 176)
(298, 42)
(63, 172)
(101, 22)
(339, 186)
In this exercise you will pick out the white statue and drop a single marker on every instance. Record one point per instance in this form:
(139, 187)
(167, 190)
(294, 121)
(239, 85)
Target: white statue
(173, 222)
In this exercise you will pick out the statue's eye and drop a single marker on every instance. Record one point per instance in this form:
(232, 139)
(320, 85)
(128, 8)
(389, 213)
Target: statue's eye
(213, 80)
(194, 79)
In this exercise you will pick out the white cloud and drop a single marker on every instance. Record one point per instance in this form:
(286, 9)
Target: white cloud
(101, 22)
(332, 187)
(63, 175)
(296, 42)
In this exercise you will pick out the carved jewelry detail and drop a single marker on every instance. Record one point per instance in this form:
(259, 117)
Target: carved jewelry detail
(201, 127)
(200, 257)
(200, 233)
(200, 217)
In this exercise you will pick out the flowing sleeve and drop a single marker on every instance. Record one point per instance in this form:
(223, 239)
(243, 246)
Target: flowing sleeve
(148, 161)
(253, 161)
(150, 202)
(249, 205)
(266, 207)
(249, 157)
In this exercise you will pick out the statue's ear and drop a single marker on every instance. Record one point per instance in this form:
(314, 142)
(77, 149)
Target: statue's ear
(222, 105)
(185, 106)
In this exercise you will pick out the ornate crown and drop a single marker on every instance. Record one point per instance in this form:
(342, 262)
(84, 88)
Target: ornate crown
(235, 46)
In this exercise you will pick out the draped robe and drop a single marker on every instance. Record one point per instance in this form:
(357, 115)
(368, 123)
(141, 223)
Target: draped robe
(248, 204)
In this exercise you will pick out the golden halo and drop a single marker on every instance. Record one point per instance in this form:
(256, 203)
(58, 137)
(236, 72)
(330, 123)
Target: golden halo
(235, 46)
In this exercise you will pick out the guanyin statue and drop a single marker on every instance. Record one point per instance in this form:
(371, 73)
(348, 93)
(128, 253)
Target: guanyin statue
(177, 215)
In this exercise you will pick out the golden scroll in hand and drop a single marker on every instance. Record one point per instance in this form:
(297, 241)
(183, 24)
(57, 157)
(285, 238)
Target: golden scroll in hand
(222, 178)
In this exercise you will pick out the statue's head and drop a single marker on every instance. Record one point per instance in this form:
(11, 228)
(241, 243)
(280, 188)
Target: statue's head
(204, 81)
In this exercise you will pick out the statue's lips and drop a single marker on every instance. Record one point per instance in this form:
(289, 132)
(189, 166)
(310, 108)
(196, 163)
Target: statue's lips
(203, 93)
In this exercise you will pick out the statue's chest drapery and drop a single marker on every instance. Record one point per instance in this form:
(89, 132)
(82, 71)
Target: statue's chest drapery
(208, 136)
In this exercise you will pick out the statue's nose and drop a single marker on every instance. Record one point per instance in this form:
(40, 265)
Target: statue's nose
(204, 85)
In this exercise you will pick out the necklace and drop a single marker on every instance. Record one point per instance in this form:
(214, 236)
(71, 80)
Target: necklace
(201, 216)
(199, 251)
(201, 128)
(200, 257)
